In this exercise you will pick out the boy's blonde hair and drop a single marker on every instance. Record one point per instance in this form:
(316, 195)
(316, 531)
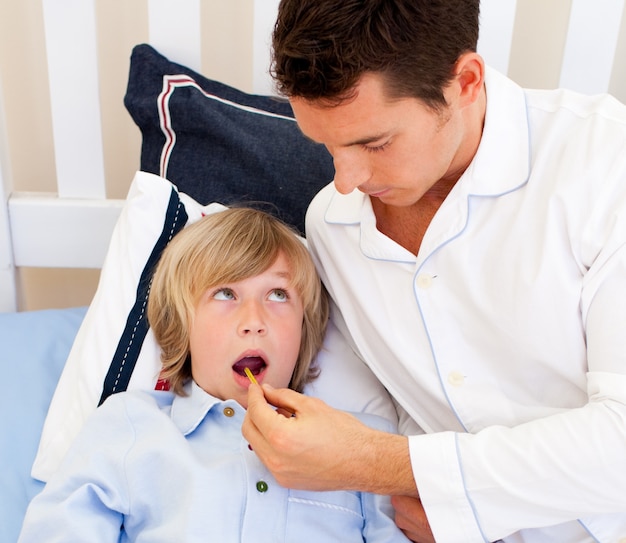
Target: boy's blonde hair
(227, 247)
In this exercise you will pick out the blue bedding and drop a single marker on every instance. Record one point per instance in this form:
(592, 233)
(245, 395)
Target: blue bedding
(34, 346)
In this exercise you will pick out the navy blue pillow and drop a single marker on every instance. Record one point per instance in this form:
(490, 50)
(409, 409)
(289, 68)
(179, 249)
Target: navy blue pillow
(218, 144)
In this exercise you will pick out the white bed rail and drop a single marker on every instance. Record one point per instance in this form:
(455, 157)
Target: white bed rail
(574, 43)
(8, 287)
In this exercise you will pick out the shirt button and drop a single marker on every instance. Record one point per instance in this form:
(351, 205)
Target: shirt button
(229, 411)
(261, 486)
(424, 281)
(456, 379)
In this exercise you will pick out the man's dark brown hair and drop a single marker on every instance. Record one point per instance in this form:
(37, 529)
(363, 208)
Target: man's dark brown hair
(321, 48)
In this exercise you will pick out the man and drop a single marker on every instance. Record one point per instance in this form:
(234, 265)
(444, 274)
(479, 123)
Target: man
(480, 271)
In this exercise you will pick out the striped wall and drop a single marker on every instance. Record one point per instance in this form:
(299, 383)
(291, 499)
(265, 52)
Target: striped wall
(55, 140)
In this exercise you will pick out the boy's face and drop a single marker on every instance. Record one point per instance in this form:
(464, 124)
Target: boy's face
(255, 323)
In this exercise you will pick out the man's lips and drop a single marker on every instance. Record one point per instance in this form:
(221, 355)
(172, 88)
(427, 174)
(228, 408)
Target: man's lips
(375, 193)
(255, 364)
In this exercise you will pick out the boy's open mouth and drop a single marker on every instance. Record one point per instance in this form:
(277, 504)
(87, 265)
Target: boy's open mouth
(255, 363)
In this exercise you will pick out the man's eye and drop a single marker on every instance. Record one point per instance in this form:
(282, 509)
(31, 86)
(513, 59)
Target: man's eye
(376, 148)
(278, 295)
(224, 294)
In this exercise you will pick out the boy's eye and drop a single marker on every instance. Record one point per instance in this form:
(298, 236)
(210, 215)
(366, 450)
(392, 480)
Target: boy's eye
(278, 295)
(224, 294)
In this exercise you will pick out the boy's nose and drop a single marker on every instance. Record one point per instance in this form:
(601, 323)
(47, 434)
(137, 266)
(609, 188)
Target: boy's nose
(252, 321)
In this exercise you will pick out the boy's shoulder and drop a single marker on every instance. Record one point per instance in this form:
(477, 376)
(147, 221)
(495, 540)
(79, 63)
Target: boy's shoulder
(138, 401)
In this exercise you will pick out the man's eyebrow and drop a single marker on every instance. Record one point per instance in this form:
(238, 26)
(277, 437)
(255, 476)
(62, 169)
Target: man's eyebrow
(362, 141)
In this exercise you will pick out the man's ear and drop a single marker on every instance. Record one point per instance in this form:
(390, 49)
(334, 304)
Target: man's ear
(470, 70)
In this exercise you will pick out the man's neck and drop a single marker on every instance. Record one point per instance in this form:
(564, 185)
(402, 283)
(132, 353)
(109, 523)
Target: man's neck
(407, 225)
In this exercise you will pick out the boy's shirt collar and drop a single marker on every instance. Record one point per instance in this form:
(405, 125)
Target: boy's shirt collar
(189, 411)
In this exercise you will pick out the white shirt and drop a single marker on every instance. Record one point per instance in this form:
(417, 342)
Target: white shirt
(504, 339)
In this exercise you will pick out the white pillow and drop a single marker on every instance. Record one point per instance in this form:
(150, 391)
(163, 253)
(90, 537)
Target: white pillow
(154, 210)
(114, 349)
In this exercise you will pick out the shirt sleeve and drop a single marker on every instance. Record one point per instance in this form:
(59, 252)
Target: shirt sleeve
(502, 480)
(86, 498)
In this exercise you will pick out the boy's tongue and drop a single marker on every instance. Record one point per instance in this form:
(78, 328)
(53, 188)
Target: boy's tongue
(254, 363)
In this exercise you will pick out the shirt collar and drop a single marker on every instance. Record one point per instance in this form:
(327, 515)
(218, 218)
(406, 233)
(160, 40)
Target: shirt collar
(190, 410)
(501, 163)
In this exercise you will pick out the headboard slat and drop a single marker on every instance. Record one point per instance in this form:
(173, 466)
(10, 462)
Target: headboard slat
(70, 32)
(59, 243)
(8, 287)
(174, 29)
(7, 270)
(497, 20)
(591, 42)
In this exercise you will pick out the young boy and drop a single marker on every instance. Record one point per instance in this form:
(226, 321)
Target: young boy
(235, 290)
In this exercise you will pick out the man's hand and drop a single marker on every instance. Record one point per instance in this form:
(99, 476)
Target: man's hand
(411, 519)
(321, 448)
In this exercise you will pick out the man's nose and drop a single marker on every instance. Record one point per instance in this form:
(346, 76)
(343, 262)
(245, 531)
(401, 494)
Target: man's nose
(351, 170)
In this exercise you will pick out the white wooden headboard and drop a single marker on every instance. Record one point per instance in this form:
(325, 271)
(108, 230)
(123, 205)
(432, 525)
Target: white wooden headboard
(578, 44)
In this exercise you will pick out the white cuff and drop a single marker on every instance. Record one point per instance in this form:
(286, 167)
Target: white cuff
(439, 480)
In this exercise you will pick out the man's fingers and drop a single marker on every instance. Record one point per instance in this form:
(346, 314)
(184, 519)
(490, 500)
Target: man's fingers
(283, 398)
(264, 406)
(411, 519)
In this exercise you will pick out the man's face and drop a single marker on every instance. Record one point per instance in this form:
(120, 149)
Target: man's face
(394, 150)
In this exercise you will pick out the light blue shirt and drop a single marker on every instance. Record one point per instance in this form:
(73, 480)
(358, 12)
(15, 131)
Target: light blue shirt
(177, 468)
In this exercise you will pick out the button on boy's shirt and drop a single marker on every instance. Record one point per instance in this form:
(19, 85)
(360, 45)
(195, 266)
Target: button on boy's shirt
(172, 468)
